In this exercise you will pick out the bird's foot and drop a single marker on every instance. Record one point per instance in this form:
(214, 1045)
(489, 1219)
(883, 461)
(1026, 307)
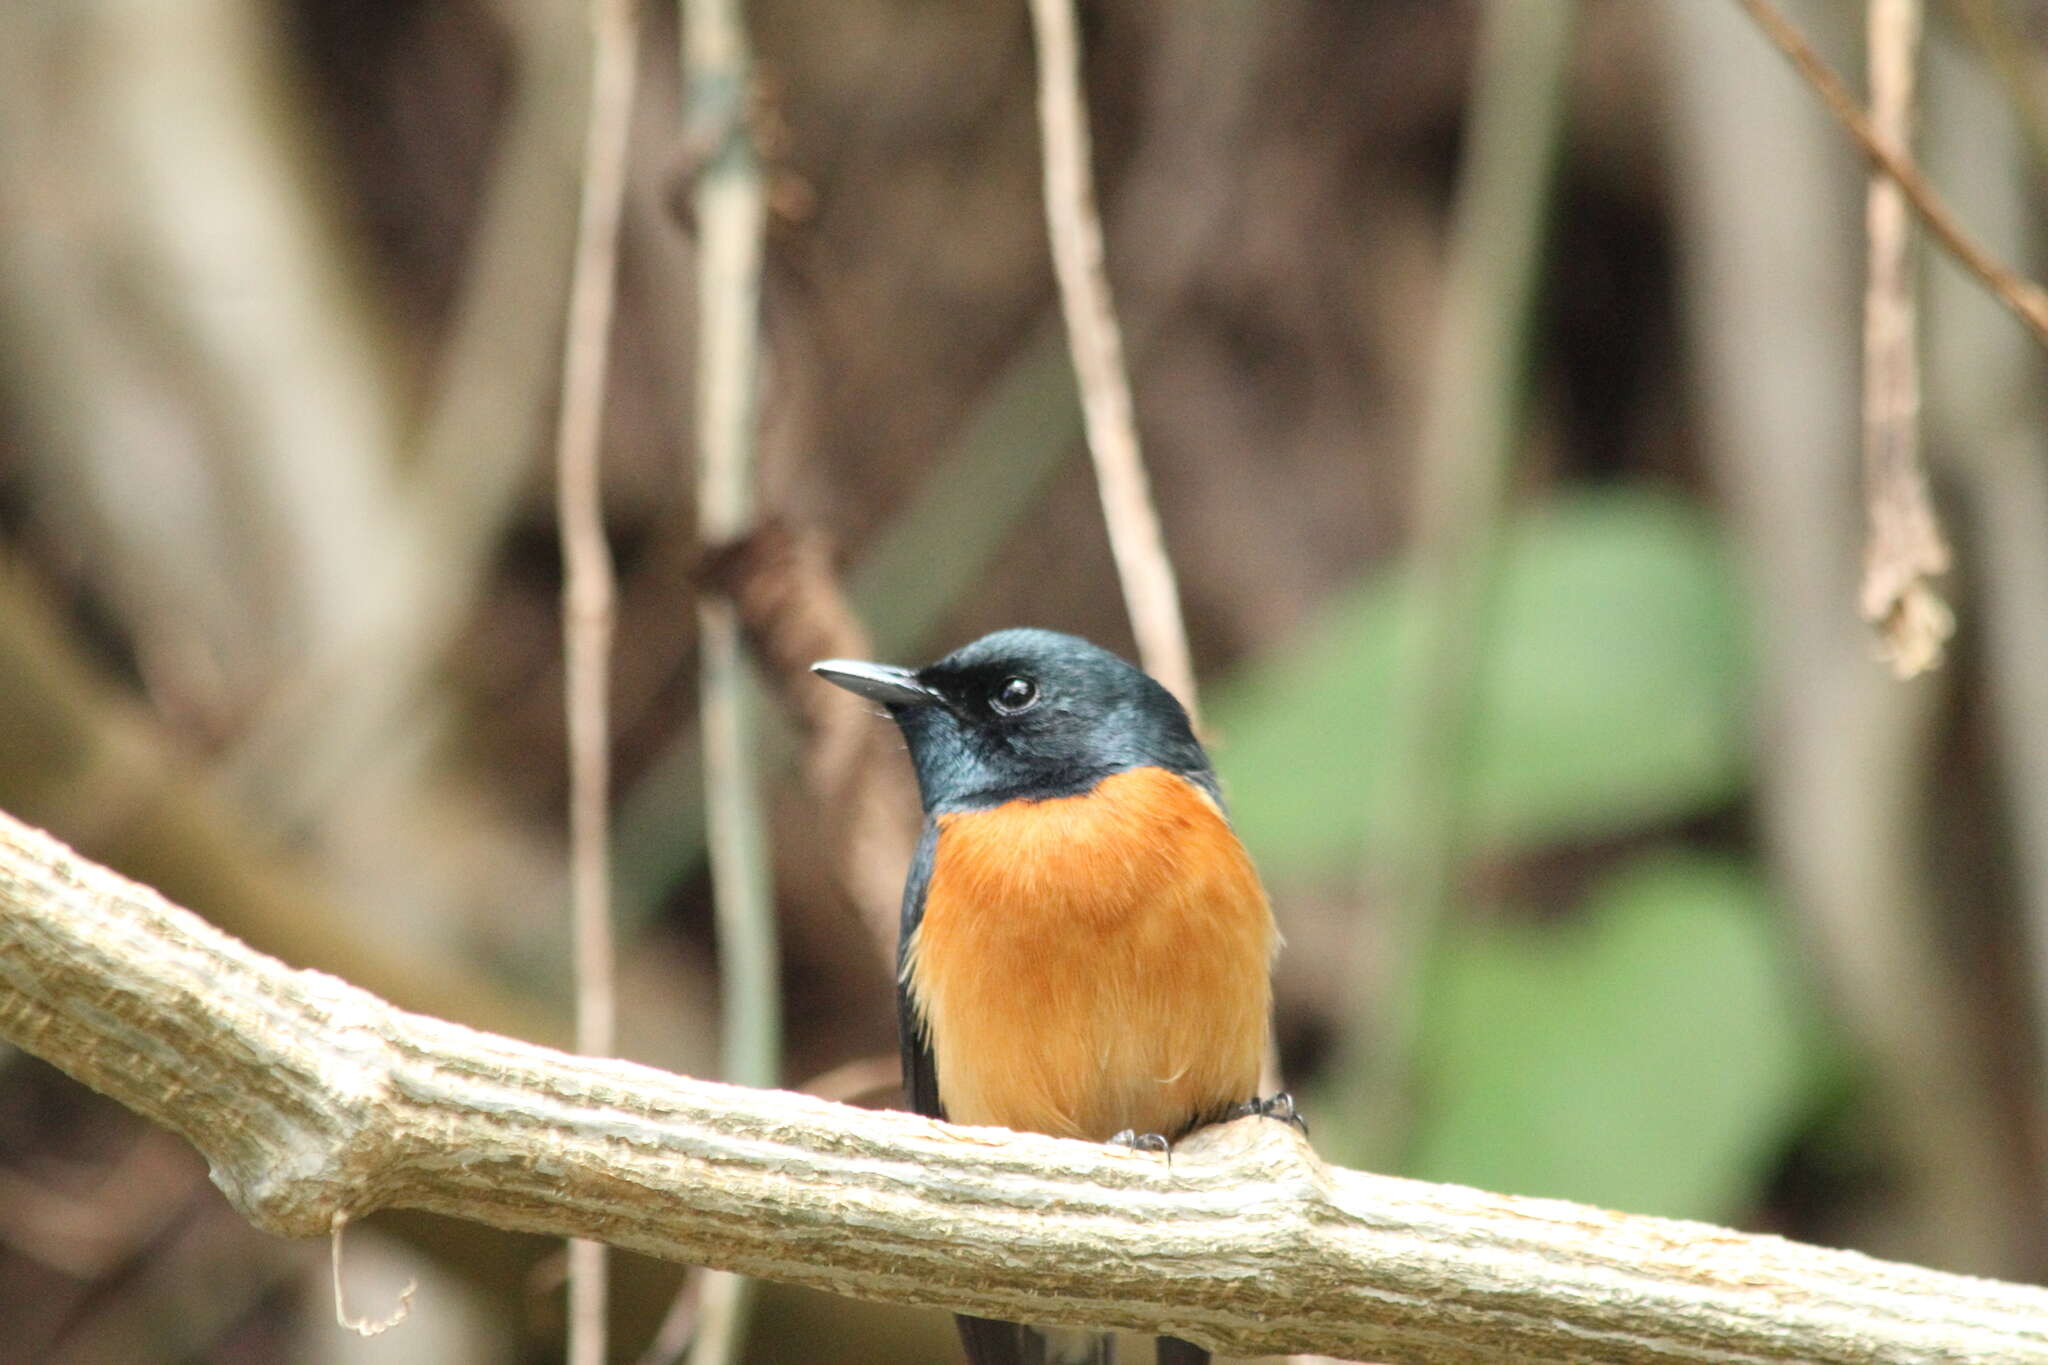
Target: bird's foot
(1145, 1142)
(1280, 1106)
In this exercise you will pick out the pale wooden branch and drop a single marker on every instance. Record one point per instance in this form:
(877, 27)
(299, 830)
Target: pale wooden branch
(1136, 542)
(312, 1099)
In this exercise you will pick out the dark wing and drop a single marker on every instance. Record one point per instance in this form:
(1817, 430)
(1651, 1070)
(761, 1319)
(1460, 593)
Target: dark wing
(988, 1342)
(920, 1074)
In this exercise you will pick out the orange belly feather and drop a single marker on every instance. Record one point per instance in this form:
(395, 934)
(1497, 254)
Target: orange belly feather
(1093, 963)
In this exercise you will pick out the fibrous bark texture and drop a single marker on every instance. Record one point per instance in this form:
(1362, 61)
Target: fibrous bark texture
(311, 1098)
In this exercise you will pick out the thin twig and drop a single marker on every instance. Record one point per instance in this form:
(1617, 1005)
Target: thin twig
(730, 217)
(362, 1326)
(1470, 433)
(2026, 300)
(1906, 548)
(1135, 540)
(588, 591)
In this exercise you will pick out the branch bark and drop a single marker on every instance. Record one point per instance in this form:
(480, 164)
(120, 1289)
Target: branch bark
(312, 1099)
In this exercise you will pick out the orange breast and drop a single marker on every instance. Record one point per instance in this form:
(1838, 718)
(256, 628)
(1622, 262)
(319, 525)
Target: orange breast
(1094, 963)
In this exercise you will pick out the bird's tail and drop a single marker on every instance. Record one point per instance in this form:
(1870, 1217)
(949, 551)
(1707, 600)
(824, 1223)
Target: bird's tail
(1007, 1343)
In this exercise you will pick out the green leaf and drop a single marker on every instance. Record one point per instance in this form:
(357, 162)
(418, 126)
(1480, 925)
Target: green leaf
(1610, 693)
(1652, 1053)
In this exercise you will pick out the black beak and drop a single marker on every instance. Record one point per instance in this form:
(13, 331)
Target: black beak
(885, 683)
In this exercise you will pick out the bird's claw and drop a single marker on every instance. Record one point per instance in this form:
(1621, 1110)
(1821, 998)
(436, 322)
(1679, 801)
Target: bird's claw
(1145, 1142)
(1279, 1106)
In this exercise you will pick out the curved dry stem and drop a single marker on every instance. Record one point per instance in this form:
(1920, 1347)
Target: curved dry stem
(1139, 547)
(1906, 548)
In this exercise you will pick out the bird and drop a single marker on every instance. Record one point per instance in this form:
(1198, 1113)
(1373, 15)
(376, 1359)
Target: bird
(1085, 946)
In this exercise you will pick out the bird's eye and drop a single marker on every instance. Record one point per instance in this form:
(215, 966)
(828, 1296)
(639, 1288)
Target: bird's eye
(1014, 695)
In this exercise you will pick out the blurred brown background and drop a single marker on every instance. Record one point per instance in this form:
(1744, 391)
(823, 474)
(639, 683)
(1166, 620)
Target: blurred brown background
(1742, 929)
